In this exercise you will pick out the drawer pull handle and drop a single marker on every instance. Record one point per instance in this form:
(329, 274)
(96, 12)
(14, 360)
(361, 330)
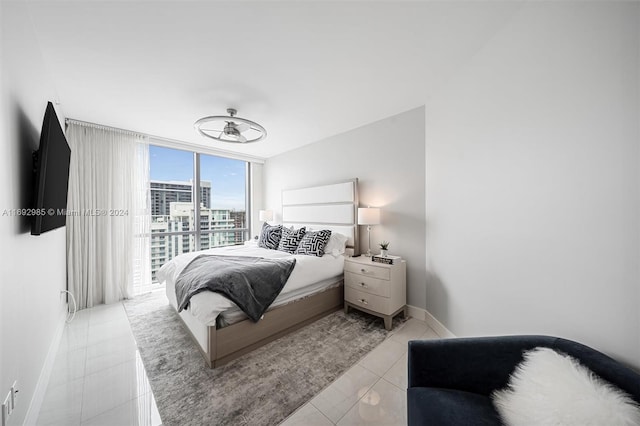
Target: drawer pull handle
(363, 285)
(364, 302)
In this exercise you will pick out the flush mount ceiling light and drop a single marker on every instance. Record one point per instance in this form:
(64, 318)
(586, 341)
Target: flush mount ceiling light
(230, 128)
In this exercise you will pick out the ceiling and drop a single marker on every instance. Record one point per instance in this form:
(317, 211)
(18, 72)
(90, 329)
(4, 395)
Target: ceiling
(304, 70)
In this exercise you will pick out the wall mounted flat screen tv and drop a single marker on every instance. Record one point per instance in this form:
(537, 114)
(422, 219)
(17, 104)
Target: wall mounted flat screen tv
(51, 168)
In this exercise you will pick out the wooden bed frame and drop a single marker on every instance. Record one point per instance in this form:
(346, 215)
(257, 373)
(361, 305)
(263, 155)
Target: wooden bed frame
(331, 206)
(233, 341)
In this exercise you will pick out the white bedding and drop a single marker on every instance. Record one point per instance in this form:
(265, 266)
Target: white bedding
(310, 275)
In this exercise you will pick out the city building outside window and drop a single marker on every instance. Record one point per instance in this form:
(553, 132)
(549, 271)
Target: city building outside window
(177, 226)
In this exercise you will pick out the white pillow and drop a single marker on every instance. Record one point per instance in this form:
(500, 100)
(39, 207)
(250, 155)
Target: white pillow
(549, 388)
(336, 245)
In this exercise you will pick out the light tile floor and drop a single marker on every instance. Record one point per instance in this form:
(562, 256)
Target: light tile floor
(372, 392)
(98, 379)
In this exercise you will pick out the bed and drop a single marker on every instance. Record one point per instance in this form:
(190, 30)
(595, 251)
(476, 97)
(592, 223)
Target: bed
(314, 289)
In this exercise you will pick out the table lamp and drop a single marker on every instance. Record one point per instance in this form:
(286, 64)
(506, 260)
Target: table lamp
(368, 216)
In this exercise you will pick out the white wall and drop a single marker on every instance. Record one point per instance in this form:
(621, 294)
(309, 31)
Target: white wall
(32, 268)
(532, 182)
(387, 157)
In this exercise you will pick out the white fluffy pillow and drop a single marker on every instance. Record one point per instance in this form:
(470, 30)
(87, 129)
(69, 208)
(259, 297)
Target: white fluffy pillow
(549, 388)
(336, 245)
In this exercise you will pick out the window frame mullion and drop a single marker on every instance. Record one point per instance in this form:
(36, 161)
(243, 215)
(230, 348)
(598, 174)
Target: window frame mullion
(196, 199)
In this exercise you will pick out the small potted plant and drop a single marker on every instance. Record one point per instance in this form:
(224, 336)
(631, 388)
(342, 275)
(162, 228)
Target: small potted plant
(384, 248)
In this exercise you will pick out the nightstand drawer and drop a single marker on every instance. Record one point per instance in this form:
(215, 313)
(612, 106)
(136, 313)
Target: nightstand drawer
(368, 270)
(366, 300)
(367, 284)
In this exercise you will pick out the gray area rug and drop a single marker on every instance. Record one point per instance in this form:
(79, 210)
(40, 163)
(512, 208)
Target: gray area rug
(260, 388)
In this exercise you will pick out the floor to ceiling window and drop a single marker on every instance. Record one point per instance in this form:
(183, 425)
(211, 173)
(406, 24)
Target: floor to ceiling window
(198, 202)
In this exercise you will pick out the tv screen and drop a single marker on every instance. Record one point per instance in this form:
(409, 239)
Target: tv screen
(51, 167)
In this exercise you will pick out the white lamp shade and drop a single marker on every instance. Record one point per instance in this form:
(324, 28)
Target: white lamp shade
(368, 216)
(266, 215)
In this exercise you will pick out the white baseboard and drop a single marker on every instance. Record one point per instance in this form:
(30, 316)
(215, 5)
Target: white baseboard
(417, 313)
(43, 381)
(424, 315)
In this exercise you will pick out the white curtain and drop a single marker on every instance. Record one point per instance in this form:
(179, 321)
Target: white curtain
(108, 214)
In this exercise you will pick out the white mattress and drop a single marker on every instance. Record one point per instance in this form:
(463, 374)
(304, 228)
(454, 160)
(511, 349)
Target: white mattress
(310, 275)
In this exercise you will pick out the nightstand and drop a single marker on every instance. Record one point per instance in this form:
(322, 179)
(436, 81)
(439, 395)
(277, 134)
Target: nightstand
(375, 288)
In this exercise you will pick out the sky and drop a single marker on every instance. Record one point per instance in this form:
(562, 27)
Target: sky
(227, 176)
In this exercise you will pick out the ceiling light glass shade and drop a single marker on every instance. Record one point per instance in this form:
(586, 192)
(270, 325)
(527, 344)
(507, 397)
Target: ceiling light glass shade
(368, 216)
(230, 128)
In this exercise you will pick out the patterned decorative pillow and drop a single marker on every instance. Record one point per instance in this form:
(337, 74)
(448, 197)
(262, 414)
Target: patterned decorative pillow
(313, 243)
(270, 236)
(291, 238)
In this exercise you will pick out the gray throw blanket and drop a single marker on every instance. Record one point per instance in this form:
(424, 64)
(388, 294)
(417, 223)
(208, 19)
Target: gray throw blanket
(252, 283)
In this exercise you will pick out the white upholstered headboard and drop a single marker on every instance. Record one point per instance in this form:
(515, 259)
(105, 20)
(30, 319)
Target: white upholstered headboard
(333, 206)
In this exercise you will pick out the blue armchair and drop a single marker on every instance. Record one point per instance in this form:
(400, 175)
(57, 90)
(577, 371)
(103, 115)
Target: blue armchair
(450, 381)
